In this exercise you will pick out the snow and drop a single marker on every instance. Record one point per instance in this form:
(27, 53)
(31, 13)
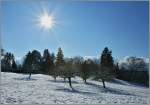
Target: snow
(41, 89)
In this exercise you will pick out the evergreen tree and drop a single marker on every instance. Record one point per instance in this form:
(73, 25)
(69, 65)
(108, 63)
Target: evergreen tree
(59, 64)
(36, 60)
(60, 58)
(46, 62)
(27, 63)
(106, 65)
(14, 65)
(7, 60)
(32, 62)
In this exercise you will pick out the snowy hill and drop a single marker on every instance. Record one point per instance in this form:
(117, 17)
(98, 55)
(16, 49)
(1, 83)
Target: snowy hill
(41, 89)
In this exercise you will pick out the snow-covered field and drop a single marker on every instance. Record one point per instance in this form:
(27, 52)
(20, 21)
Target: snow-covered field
(41, 89)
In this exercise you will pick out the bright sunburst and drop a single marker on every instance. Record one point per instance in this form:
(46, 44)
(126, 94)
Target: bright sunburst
(46, 21)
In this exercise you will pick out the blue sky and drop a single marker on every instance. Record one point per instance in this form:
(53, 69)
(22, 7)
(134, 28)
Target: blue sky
(83, 28)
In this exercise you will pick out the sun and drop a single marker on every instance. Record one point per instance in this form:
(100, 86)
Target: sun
(46, 21)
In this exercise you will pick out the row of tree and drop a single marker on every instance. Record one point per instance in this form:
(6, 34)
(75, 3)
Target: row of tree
(63, 67)
(134, 69)
(8, 60)
(57, 65)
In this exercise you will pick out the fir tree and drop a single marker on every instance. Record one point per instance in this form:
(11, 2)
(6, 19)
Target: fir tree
(106, 65)
(27, 64)
(60, 58)
(59, 64)
(46, 62)
(14, 65)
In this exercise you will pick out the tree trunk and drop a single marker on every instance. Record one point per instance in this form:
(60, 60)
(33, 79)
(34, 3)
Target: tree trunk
(69, 78)
(84, 80)
(30, 75)
(103, 83)
(55, 79)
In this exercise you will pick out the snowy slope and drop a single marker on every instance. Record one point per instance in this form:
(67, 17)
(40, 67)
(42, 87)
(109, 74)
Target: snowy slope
(41, 89)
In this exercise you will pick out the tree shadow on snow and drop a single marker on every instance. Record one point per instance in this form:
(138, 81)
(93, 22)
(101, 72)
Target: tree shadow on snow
(62, 81)
(25, 79)
(120, 83)
(72, 90)
(110, 90)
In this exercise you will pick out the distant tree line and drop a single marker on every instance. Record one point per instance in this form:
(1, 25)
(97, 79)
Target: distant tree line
(102, 69)
(134, 69)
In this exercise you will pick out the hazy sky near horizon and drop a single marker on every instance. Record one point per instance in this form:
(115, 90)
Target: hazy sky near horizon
(82, 28)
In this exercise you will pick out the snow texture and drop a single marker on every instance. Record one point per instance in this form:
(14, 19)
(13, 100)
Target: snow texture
(41, 89)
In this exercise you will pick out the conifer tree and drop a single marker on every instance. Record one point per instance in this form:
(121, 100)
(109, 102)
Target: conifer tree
(32, 62)
(14, 65)
(60, 58)
(59, 64)
(46, 62)
(106, 65)
(27, 64)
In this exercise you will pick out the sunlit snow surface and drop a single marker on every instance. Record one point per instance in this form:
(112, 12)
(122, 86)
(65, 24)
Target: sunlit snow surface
(41, 89)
